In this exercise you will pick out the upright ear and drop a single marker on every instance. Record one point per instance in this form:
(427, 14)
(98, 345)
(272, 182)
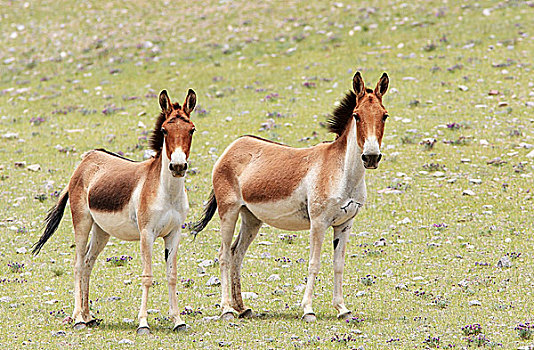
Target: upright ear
(382, 86)
(358, 85)
(164, 101)
(190, 102)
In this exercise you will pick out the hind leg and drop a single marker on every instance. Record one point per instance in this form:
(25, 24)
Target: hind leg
(99, 239)
(250, 225)
(82, 223)
(228, 221)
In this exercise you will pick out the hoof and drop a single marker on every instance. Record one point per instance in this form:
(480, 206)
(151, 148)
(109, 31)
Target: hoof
(246, 314)
(180, 328)
(309, 318)
(79, 326)
(227, 316)
(346, 316)
(143, 331)
(94, 322)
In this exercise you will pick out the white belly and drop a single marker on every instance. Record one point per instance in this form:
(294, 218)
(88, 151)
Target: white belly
(290, 215)
(118, 224)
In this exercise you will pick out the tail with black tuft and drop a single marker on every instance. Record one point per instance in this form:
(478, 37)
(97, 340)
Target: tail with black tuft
(55, 214)
(209, 211)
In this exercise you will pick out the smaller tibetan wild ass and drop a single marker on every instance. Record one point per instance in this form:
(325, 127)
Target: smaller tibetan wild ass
(297, 189)
(113, 196)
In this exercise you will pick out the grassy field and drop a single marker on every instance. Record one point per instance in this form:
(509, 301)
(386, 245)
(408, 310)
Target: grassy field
(451, 199)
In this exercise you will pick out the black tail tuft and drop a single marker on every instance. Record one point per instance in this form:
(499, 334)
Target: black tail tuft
(55, 214)
(209, 211)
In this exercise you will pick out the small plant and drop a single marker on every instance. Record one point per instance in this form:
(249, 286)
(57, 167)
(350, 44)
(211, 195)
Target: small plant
(428, 144)
(513, 255)
(309, 84)
(58, 314)
(368, 280)
(440, 226)
(288, 238)
(283, 260)
(15, 267)
(190, 312)
(434, 167)
(472, 329)
(41, 197)
(432, 342)
(187, 282)
(343, 338)
(525, 330)
(354, 320)
(57, 271)
(441, 302)
(461, 141)
(22, 229)
(408, 140)
(119, 261)
(37, 121)
(480, 341)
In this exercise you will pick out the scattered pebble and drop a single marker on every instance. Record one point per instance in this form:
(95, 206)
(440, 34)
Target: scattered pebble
(504, 262)
(249, 295)
(468, 193)
(213, 281)
(126, 341)
(474, 303)
(273, 278)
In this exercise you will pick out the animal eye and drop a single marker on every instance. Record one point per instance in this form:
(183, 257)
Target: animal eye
(192, 131)
(356, 116)
(386, 116)
(164, 132)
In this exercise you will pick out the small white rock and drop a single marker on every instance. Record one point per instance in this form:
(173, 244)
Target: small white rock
(21, 250)
(34, 167)
(360, 293)
(530, 154)
(475, 181)
(404, 221)
(273, 278)
(152, 311)
(468, 193)
(126, 341)
(483, 142)
(213, 281)
(474, 303)
(249, 295)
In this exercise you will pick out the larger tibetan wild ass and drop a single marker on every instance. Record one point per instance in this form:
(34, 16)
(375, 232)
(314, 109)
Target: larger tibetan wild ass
(113, 196)
(297, 189)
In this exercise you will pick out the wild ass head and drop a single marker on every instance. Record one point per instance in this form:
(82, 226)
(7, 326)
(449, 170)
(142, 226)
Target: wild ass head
(174, 131)
(370, 116)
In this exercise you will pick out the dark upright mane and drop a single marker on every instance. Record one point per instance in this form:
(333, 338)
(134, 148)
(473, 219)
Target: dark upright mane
(340, 117)
(156, 138)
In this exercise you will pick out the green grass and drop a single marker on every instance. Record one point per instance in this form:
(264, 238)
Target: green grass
(68, 61)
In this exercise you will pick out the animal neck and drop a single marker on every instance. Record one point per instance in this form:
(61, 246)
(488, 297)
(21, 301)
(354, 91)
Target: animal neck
(171, 186)
(353, 169)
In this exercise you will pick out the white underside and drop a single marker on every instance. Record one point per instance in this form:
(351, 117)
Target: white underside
(168, 211)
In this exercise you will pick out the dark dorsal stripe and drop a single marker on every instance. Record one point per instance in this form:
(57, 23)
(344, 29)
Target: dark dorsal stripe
(339, 119)
(114, 154)
(266, 140)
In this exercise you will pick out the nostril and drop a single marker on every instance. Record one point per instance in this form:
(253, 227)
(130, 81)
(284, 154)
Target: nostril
(171, 167)
(185, 166)
(365, 158)
(379, 157)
